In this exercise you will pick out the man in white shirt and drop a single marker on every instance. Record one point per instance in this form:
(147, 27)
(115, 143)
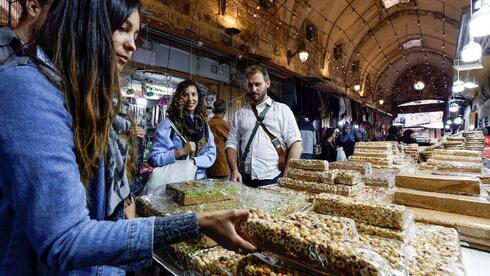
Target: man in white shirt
(261, 162)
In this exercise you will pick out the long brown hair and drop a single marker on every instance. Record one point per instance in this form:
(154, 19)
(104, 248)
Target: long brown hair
(176, 110)
(78, 37)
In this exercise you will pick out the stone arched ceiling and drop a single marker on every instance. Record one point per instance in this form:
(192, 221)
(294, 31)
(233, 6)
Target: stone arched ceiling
(363, 33)
(374, 35)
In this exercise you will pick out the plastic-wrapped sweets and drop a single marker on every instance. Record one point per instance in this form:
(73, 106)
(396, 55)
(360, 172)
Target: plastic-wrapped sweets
(161, 203)
(317, 187)
(394, 251)
(268, 264)
(216, 261)
(312, 165)
(322, 242)
(378, 214)
(404, 236)
(365, 168)
(438, 252)
(306, 175)
(203, 191)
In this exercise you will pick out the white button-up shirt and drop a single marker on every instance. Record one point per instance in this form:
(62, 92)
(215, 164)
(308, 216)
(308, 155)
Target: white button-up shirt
(262, 161)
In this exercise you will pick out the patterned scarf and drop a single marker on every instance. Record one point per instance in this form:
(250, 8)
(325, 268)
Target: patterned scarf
(194, 130)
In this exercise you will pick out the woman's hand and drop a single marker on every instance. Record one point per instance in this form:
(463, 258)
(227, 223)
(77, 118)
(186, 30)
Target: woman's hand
(224, 228)
(186, 150)
(190, 148)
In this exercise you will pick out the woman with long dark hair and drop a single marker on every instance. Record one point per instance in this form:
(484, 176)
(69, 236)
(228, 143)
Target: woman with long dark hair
(56, 116)
(188, 113)
(329, 146)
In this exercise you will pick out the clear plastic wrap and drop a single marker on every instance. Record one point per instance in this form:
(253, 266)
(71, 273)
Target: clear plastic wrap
(311, 165)
(202, 191)
(216, 261)
(322, 242)
(405, 235)
(438, 252)
(373, 213)
(348, 177)
(386, 180)
(317, 187)
(364, 168)
(458, 204)
(306, 175)
(395, 252)
(161, 203)
(270, 264)
(439, 183)
(377, 194)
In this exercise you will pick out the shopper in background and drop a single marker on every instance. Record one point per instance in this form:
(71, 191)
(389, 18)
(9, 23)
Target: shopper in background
(220, 129)
(188, 113)
(261, 164)
(408, 137)
(393, 134)
(53, 135)
(347, 140)
(361, 133)
(308, 136)
(329, 146)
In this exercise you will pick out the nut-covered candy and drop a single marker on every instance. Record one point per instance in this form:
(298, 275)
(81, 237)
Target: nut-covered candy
(378, 214)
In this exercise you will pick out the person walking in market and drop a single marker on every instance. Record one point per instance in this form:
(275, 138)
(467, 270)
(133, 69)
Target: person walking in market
(265, 131)
(308, 135)
(51, 157)
(220, 129)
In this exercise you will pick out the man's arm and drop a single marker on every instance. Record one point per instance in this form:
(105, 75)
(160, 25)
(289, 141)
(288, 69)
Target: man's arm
(232, 158)
(232, 145)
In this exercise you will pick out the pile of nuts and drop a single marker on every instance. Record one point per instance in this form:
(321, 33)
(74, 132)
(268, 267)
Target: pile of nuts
(400, 235)
(437, 252)
(217, 261)
(392, 250)
(253, 266)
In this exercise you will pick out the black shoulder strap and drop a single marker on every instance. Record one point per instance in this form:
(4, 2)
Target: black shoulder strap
(257, 125)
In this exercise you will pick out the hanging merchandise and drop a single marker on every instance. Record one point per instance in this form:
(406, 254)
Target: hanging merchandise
(334, 107)
(341, 107)
(348, 109)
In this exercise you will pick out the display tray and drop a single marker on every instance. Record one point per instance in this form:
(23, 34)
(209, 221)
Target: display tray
(434, 250)
(161, 202)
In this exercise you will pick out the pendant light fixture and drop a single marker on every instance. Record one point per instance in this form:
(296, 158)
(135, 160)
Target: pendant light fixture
(458, 85)
(453, 107)
(458, 121)
(472, 51)
(419, 85)
(480, 20)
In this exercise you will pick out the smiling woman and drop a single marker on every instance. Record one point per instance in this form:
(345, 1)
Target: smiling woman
(188, 113)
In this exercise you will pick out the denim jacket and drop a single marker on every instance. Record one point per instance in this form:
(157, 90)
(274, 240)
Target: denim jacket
(163, 150)
(48, 226)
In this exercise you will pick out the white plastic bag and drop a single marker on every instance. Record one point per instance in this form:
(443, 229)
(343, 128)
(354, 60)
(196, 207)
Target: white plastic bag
(341, 154)
(181, 170)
